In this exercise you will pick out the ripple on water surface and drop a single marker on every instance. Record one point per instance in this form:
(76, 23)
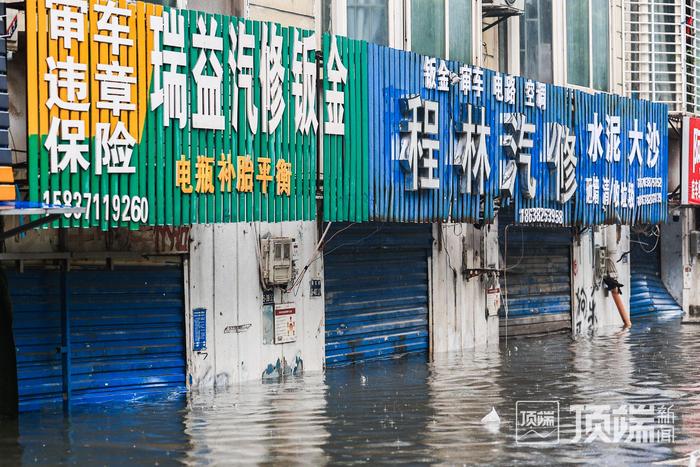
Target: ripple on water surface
(404, 410)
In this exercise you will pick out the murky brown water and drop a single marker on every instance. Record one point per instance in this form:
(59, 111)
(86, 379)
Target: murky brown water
(394, 411)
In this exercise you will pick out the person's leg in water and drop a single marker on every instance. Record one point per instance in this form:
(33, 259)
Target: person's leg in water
(615, 289)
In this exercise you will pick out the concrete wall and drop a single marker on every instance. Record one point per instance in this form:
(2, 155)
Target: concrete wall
(592, 306)
(224, 7)
(673, 256)
(223, 278)
(459, 317)
(298, 13)
(678, 269)
(223, 268)
(673, 242)
(691, 265)
(146, 240)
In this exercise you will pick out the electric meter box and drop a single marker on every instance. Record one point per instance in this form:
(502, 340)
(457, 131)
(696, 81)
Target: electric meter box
(277, 260)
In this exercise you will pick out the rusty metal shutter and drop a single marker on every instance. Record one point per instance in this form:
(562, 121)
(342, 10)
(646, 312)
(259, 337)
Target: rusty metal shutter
(376, 289)
(537, 281)
(127, 332)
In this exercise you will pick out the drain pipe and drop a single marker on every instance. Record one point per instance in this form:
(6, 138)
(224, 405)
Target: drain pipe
(610, 279)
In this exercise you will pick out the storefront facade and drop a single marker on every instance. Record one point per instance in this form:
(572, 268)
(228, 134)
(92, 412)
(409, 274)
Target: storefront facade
(328, 200)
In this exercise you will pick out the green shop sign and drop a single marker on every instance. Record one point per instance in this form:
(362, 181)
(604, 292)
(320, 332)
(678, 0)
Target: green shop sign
(147, 115)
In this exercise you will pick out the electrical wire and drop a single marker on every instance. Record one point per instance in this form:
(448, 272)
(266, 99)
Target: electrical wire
(318, 255)
(314, 257)
(522, 249)
(258, 253)
(655, 231)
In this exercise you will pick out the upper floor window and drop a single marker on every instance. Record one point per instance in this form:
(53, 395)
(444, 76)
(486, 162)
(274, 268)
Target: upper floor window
(439, 28)
(536, 41)
(588, 43)
(368, 20)
(171, 3)
(442, 28)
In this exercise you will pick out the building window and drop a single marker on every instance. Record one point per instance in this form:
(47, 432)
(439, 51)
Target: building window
(429, 21)
(438, 28)
(503, 57)
(460, 20)
(536, 41)
(367, 20)
(588, 43)
(653, 57)
(428, 27)
(170, 3)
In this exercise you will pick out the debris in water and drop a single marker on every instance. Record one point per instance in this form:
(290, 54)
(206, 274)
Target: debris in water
(491, 418)
(693, 461)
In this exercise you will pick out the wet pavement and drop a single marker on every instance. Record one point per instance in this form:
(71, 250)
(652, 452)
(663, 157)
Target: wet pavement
(403, 410)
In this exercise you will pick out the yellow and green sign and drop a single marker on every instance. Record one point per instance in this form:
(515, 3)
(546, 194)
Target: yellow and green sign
(145, 114)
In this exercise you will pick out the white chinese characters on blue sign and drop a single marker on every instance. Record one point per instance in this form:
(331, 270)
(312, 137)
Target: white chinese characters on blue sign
(559, 155)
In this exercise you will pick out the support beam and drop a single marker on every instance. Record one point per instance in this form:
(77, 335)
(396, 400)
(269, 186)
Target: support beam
(28, 226)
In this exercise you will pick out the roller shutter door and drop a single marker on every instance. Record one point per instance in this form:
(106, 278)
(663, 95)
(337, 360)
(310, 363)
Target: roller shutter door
(648, 294)
(537, 281)
(127, 332)
(376, 289)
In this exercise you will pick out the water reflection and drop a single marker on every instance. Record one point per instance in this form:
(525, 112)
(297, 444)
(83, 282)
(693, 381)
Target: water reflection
(378, 411)
(463, 388)
(277, 422)
(406, 410)
(147, 431)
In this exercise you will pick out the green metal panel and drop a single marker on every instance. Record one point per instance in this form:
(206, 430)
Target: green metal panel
(160, 149)
(346, 170)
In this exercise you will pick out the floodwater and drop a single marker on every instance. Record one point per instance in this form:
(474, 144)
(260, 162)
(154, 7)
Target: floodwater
(403, 410)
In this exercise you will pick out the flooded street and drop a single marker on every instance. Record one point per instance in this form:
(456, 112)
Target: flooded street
(403, 410)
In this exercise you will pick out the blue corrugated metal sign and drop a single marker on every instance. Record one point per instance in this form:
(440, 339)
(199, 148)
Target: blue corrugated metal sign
(449, 141)
(199, 329)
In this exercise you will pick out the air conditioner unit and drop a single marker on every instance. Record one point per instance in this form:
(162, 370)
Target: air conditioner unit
(503, 7)
(277, 260)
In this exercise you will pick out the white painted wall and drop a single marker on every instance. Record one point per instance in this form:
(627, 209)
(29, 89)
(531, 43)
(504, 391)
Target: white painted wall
(458, 306)
(298, 13)
(691, 265)
(672, 257)
(223, 278)
(592, 306)
(224, 7)
(675, 251)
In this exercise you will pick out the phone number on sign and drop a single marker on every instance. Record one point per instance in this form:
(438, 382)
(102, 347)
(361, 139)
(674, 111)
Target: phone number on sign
(115, 207)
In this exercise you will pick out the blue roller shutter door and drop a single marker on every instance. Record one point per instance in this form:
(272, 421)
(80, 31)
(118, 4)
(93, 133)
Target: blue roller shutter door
(376, 290)
(648, 294)
(537, 280)
(36, 308)
(126, 332)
